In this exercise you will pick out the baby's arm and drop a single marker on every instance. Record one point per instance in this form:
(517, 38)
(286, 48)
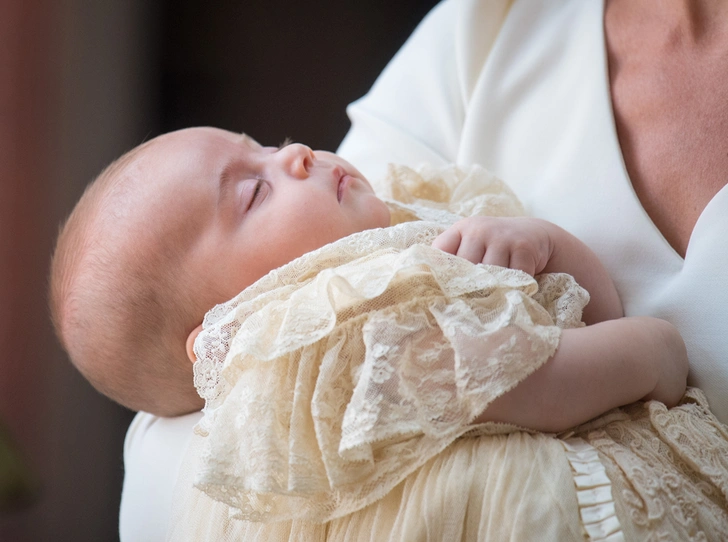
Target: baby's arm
(611, 363)
(535, 246)
(597, 368)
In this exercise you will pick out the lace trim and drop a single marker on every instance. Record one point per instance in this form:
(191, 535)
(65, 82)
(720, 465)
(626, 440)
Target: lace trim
(334, 377)
(593, 492)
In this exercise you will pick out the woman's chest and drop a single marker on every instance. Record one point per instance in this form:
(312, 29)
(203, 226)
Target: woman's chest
(617, 149)
(670, 103)
(541, 117)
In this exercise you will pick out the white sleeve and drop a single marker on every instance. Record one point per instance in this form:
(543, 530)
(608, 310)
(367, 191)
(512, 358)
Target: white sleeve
(416, 109)
(153, 452)
(389, 124)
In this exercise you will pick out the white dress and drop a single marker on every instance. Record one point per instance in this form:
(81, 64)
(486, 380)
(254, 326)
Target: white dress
(524, 91)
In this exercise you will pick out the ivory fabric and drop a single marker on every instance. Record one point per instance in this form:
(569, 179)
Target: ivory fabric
(640, 473)
(341, 387)
(332, 378)
(506, 487)
(522, 88)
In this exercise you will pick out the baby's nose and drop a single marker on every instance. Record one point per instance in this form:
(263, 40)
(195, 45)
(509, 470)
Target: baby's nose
(297, 159)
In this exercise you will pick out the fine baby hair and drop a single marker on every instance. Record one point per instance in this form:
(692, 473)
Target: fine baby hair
(175, 226)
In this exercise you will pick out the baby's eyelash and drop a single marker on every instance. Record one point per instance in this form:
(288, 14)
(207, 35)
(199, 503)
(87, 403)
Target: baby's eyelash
(257, 189)
(285, 143)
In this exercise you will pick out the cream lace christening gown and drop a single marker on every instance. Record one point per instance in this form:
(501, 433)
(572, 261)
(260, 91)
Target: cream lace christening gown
(340, 389)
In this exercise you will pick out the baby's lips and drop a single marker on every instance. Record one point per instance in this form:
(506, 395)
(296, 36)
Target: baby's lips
(339, 176)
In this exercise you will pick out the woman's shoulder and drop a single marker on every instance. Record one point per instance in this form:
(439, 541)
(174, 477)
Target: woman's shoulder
(415, 110)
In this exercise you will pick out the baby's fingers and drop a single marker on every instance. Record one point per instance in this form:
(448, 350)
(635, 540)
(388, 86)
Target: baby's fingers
(523, 260)
(448, 241)
(497, 255)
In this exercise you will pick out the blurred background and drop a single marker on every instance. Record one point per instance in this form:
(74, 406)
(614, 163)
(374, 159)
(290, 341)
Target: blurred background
(81, 82)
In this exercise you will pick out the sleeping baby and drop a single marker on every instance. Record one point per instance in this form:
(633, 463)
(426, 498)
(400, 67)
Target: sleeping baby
(340, 341)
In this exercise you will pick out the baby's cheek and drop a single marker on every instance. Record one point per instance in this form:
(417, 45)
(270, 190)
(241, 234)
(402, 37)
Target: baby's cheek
(375, 214)
(385, 219)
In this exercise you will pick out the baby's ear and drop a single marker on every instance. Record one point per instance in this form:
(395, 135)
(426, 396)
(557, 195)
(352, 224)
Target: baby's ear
(191, 343)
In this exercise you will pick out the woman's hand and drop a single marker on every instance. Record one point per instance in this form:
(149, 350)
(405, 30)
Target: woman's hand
(518, 243)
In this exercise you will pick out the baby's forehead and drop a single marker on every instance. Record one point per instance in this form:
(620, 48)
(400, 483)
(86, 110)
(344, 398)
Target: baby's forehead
(206, 135)
(250, 142)
(200, 146)
(185, 160)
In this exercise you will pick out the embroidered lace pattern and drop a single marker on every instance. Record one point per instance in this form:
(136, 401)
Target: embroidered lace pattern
(334, 377)
(668, 467)
(335, 383)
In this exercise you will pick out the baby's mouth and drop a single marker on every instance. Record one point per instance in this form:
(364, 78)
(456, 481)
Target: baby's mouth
(344, 180)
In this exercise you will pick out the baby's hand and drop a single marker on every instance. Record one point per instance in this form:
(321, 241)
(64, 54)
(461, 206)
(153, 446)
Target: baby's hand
(670, 358)
(518, 243)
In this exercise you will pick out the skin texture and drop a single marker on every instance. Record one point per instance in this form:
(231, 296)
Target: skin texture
(240, 209)
(612, 362)
(668, 72)
(535, 246)
(255, 208)
(595, 369)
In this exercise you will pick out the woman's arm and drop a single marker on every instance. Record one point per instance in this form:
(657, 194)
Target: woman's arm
(153, 451)
(595, 369)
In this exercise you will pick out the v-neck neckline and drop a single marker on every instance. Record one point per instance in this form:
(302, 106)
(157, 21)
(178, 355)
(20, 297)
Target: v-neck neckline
(704, 217)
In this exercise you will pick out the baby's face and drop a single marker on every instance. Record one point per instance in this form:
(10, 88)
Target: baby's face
(240, 210)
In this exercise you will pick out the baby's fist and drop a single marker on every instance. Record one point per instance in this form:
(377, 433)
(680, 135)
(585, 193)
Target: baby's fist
(517, 243)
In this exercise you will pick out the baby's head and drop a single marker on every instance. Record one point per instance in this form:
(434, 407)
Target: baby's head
(172, 228)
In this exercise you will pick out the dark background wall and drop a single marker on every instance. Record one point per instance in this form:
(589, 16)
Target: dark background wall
(82, 81)
(276, 69)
